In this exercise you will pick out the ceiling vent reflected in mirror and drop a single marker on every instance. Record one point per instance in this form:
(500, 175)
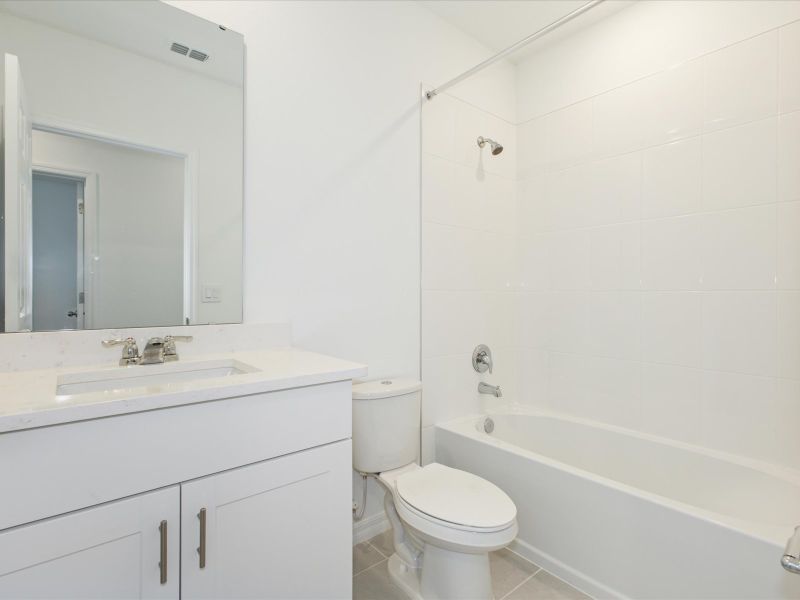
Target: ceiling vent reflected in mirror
(186, 51)
(197, 55)
(179, 48)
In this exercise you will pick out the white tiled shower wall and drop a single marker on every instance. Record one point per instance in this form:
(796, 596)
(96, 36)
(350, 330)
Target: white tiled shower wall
(468, 247)
(650, 277)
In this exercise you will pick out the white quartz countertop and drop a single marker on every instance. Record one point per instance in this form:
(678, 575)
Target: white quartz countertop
(28, 398)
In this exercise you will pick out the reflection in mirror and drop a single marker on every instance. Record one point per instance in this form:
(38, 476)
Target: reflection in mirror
(122, 166)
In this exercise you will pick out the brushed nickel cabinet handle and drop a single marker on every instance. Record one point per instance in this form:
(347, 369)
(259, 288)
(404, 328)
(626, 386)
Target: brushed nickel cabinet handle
(201, 550)
(162, 565)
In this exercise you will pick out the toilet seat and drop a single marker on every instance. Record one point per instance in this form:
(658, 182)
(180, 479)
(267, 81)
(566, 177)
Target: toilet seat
(455, 499)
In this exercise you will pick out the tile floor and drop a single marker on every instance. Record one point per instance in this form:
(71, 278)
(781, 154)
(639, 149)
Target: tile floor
(513, 577)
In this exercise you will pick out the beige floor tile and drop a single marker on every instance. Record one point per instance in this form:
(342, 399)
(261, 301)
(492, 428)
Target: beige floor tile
(544, 586)
(383, 542)
(364, 556)
(374, 584)
(508, 571)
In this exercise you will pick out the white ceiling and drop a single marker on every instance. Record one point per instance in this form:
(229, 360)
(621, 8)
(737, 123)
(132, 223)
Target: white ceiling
(500, 23)
(147, 28)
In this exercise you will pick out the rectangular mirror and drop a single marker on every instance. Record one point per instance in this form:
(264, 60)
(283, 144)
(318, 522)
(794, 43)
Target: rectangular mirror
(122, 164)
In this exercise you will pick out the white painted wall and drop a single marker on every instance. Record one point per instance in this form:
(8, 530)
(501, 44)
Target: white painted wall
(137, 268)
(332, 169)
(659, 224)
(92, 86)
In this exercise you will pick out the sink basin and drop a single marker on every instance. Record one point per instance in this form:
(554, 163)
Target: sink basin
(138, 376)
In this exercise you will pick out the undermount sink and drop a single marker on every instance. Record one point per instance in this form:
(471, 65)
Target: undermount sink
(127, 378)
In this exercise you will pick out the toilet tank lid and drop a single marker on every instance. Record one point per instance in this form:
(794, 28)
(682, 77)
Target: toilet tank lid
(385, 388)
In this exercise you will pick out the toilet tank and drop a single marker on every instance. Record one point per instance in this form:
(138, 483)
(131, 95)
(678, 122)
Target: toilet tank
(385, 424)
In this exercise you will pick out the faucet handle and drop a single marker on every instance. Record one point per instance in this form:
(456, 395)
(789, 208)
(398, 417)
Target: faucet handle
(169, 344)
(130, 351)
(482, 359)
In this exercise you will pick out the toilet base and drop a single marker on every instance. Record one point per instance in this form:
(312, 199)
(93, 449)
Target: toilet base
(445, 575)
(405, 578)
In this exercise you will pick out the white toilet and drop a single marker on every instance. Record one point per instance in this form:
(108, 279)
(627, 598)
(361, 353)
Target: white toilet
(445, 521)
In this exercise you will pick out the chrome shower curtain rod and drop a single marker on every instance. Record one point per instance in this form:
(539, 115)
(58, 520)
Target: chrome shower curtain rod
(511, 49)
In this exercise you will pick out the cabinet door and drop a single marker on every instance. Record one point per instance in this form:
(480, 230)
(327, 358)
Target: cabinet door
(276, 529)
(111, 551)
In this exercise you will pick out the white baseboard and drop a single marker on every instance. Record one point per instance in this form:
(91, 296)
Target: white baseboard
(576, 579)
(369, 527)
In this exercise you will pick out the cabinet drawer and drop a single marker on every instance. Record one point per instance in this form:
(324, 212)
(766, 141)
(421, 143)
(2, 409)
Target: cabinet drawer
(53, 470)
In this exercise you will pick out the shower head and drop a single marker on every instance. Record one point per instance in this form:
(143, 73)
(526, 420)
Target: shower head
(497, 148)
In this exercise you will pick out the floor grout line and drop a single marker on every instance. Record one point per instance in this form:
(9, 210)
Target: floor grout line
(380, 562)
(378, 550)
(523, 582)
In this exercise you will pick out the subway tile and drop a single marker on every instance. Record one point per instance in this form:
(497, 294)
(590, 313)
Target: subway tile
(533, 325)
(470, 122)
(569, 385)
(789, 157)
(739, 166)
(788, 243)
(532, 207)
(672, 181)
(532, 377)
(450, 388)
(619, 117)
(738, 412)
(741, 82)
(673, 104)
(438, 181)
(570, 135)
(503, 132)
(789, 335)
(438, 126)
(671, 401)
(789, 60)
(534, 263)
(568, 253)
(671, 250)
(739, 249)
(615, 190)
(569, 195)
(567, 317)
(672, 328)
(614, 324)
(498, 204)
(532, 148)
(740, 332)
(614, 257)
(615, 392)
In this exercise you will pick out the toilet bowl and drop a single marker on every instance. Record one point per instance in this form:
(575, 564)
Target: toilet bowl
(449, 521)
(444, 521)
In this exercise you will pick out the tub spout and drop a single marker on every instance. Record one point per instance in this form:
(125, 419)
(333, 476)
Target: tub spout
(494, 390)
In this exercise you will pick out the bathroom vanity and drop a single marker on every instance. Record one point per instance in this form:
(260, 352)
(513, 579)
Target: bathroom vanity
(227, 483)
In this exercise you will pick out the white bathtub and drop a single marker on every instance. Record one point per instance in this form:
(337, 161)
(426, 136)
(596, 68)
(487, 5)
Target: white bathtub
(619, 514)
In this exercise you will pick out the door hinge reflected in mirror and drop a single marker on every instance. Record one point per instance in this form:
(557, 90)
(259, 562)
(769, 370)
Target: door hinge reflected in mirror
(80, 208)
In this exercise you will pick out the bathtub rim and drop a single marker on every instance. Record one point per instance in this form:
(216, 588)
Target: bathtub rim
(468, 426)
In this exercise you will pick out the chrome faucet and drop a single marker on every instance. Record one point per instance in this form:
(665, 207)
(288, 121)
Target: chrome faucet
(160, 350)
(494, 390)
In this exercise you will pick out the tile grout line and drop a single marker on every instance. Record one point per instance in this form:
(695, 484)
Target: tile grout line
(523, 582)
(378, 550)
(380, 562)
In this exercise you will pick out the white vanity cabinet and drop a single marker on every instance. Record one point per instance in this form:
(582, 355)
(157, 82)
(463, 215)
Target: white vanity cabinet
(113, 551)
(91, 508)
